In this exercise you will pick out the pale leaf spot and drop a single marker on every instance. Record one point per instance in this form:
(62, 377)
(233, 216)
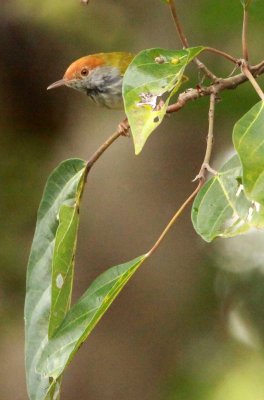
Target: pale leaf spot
(257, 206)
(239, 190)
(250, 213)
(59, 281)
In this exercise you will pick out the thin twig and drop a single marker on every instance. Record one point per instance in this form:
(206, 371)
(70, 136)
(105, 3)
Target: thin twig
(209, 144)
(102, 149)
(210, 137)
(201, 66)
(229, 83)
(178, 25)
(205, 167)
(121, 131)
(244, 34)
(174, 219)
(223, 54)
(185, 42)
(252, 80)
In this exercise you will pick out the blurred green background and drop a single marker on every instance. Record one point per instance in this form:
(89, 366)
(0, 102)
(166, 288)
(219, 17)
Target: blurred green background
(190, 325)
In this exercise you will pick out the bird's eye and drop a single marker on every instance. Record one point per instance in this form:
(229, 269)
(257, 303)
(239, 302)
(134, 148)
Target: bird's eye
(84, 71)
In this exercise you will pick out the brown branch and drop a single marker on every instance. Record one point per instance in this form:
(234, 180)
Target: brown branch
(210, 139)
(122, 130)
(244, 34)
(178, 25)
(185, 42)
(223, 54)
(252, 80)
(200, 65)
(102, 149)
(223, 84)
(175, 218)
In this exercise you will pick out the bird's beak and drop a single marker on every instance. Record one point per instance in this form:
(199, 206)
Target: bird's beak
(61, 82)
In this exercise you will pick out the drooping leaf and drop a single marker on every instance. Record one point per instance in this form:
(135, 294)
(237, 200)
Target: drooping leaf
(150, 81)
(62, 265)
(221, 207)
(56, 226)
(248, 138)
(83, 317)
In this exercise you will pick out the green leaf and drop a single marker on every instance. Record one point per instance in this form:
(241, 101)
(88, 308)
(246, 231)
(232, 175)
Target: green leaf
(56, 227)
(221, 207)
(248, 138)
(83, 317)
(62, 266)
(150, 81)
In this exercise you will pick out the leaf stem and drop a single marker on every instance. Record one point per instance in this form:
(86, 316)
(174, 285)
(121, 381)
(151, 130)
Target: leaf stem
(244, 34)
(178, 25)
(185, 42)
(174, 219)
(223, 54)
(252, 80)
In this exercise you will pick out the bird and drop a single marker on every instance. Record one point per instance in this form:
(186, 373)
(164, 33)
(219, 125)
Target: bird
(100, 76)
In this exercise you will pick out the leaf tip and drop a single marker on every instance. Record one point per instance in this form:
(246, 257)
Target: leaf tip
(138, 147)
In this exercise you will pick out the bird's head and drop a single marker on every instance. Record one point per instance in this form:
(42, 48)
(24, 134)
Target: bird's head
(80, 72)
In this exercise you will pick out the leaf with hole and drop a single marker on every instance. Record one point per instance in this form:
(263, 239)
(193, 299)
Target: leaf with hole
(221, 208)
(150, 81)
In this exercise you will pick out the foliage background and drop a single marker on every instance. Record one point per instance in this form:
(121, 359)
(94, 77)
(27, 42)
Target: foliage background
(190, 323)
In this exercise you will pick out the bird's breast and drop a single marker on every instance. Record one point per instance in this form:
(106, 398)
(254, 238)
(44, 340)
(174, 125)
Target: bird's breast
(104, 87)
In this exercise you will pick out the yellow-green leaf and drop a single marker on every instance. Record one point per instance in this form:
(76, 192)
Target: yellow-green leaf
(150, 81)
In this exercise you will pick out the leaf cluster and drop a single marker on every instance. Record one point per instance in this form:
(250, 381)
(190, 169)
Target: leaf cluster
(229, 204)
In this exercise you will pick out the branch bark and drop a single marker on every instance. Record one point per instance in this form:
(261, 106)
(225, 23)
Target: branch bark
(223, 54)
(244, 34)
(209, 143)
(223, 84)
(122, 130)
(185, 42)
(252, 80)
(175, 218)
